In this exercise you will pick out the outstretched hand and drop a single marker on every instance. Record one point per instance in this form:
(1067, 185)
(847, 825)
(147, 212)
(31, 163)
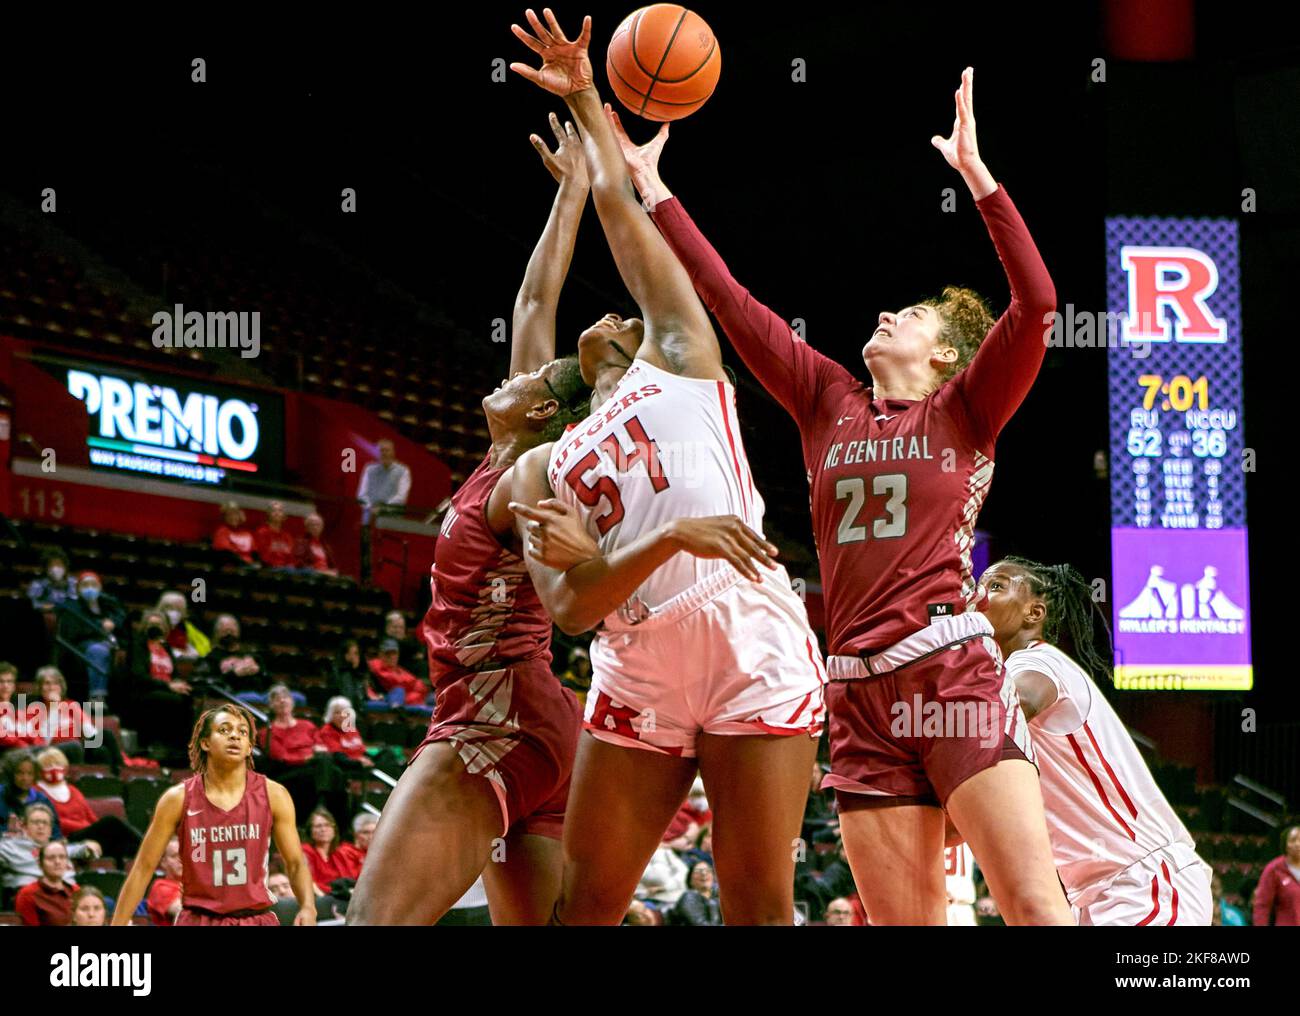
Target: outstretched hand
(960, 148)
(642, 160)
(565, 67)
(567, 161)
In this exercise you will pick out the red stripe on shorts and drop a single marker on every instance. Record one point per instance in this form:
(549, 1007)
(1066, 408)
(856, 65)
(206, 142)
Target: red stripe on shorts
(1155, 900)
(1165, 868)
(1096, 783)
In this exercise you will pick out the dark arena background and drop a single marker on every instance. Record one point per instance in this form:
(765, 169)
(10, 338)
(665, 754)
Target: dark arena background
(360, 200)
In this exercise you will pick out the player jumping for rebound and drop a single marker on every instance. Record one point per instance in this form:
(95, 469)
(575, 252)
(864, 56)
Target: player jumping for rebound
(224, 816)
(1122, 854)
(898, 472)
(704, 659)
(489, 781)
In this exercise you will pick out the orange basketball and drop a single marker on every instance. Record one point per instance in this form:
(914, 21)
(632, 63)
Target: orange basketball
(663, 62)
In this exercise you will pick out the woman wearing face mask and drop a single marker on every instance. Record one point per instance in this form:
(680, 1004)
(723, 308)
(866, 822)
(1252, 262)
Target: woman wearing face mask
(90, 623)
(76, 817)
(160, 702)
(182, 635)
(56, 586)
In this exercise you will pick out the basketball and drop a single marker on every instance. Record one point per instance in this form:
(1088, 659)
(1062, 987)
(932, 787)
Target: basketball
(663, 62)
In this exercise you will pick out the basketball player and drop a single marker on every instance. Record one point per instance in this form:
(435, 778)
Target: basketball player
(704, 660)
(224, 816)
(1122, 853)
(898, 471)
(489, 780)
(959, 884)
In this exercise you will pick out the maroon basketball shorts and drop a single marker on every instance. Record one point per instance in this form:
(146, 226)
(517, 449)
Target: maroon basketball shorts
(518, 728)
(915, 721)
(195, 918)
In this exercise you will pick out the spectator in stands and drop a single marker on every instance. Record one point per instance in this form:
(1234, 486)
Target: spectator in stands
(47, 902)
(183, 636)
(297, 759)
(691, 817)
(399, 684)
(327, 855)
(163, 902)
(349, 676)
(230, 662)
(703, 848)
(312, 553)
(76, 817)
(339, 735)
(1223, 912)
(233, 537)
(987, 913)
(14, 731)
(839, 913)
(89, 624)
(699, 906)
(18, 773)
(664, 879)
(275, 544)
(280, 886)
(640, 915)
(386, 483)
(160, 703)
(88, 908)
(19, 855)
(56, 587)
(55, 719)
(1277, 898)
(363, 831)
(411, 652)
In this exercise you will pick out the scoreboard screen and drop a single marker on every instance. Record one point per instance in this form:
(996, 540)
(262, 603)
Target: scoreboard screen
(1178, 495)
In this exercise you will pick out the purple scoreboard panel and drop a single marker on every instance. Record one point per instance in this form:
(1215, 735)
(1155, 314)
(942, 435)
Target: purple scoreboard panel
(1178, 492)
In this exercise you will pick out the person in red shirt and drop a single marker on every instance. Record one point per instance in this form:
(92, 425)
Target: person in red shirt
(1277, 898)
(401, 685)
(898, 471)
(312, 552)
(339, 734)
(164, 900)
(290, 739)
(225, 816)
(297, 757)
(233, 536)
(47, 902)
(275, 545)
(327, 855)
(77, 818)
(14, 729)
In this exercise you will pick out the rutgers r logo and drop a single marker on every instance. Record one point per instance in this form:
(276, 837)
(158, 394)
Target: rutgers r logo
(1178, 279)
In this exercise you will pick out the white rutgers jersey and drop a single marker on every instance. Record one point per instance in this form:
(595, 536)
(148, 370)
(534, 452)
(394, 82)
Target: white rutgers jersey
(661, 447)
(959, 874)
(1104, 810)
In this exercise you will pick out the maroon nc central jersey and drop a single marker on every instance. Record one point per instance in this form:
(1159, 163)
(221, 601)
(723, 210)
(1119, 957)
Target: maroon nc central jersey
(485, 610)
(896, 485)
(225, 854)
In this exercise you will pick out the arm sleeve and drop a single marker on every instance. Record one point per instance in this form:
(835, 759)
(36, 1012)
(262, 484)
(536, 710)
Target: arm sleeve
(26, 910)
(1004, 369)
(362, 486)
(1264, 893)
(403, 485)
(795, 374)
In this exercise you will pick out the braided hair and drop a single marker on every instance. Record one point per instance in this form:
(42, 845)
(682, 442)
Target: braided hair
(1072, 614)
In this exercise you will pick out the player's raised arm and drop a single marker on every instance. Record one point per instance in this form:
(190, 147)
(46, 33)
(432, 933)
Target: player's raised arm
(577, 583)
(677, 329)
(285, 832)
(1006, 365)
(532, 335)
(162, 827)
(792, 371)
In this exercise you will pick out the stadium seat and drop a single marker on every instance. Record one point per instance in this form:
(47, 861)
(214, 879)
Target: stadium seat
(102, 806)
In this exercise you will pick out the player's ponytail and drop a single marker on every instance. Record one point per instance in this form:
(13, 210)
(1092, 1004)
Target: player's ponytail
(1072, 614)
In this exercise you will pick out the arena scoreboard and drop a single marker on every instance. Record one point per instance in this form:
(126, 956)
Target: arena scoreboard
(1180, 590)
